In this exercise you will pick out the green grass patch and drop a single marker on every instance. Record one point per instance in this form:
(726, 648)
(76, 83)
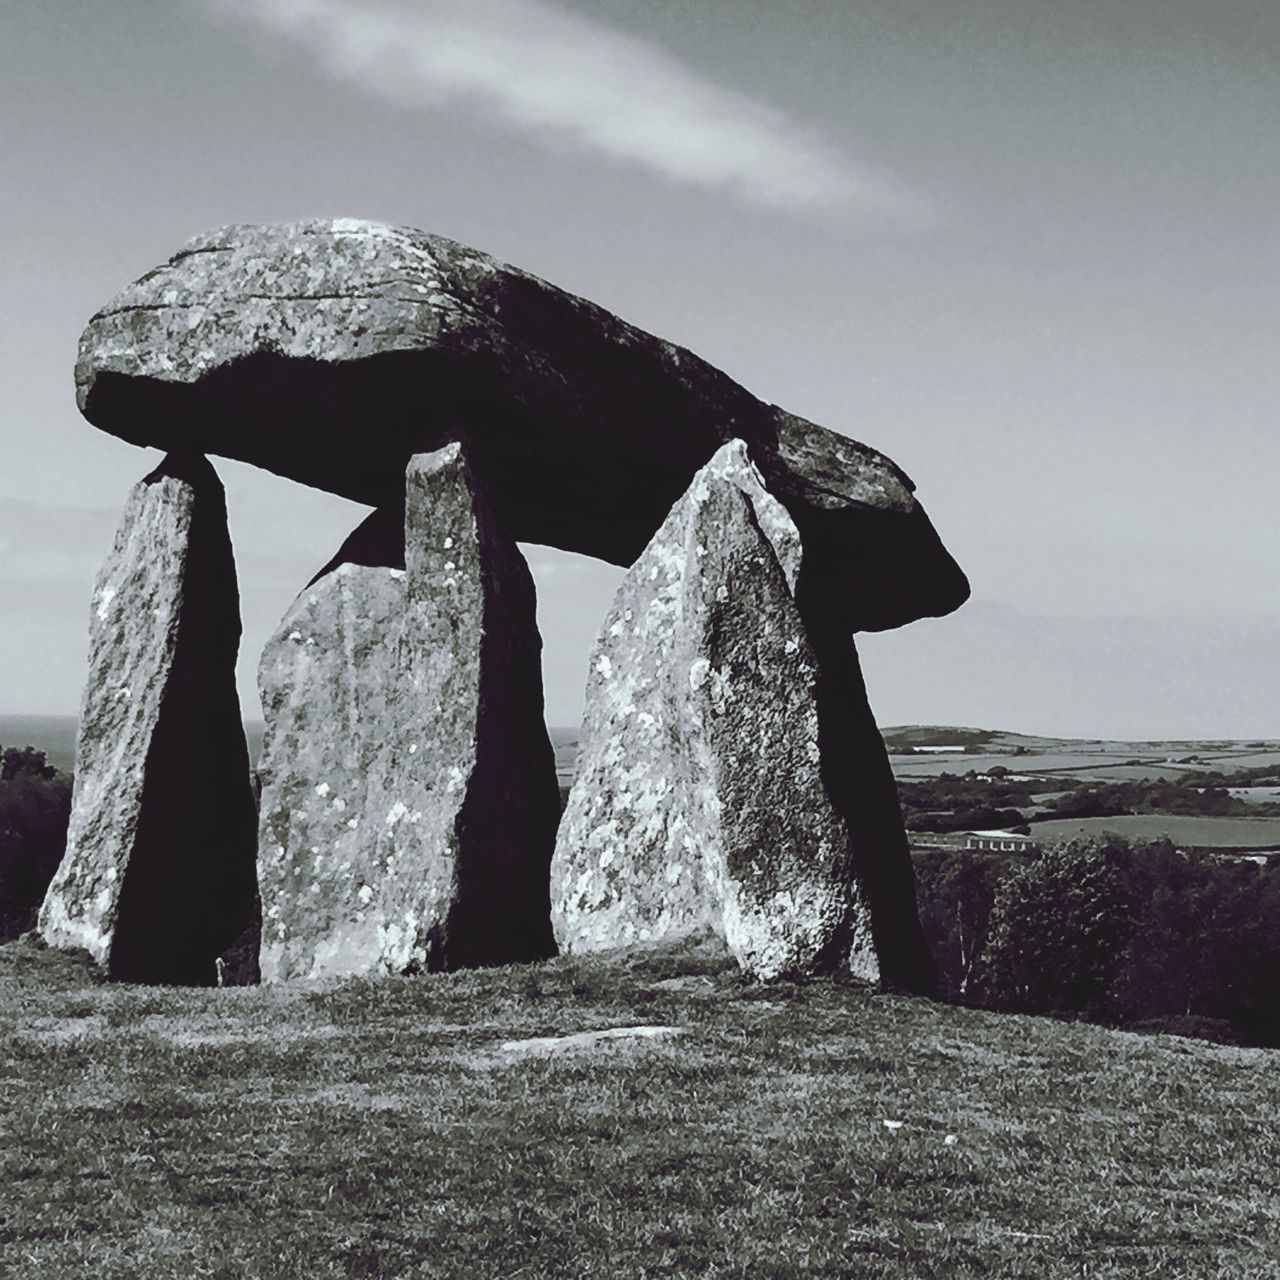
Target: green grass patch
(384, 1128)
(1186, 830)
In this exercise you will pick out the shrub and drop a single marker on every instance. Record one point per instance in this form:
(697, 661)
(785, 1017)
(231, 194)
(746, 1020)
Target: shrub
(1060, 926)
(35, 805)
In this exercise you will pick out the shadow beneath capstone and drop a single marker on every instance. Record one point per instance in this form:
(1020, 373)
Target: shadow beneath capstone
(589, 462)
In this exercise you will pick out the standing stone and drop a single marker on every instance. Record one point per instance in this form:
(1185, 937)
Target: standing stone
(158, 875)
(409, 799)
(699, 803)
(859, 780)
(329, 685)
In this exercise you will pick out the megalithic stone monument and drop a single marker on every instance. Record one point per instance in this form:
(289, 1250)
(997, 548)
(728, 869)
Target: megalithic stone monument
(158, 876)
(409, 798)
(334, 351)
(700, 803)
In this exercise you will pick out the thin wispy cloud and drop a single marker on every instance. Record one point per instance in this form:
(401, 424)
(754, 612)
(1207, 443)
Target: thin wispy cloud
(568, 80)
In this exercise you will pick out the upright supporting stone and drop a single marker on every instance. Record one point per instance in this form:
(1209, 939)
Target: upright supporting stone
(409, 799)
(700, 803)
(158, 875)
(860, 783)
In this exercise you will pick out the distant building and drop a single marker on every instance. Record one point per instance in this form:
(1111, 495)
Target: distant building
(999, 842)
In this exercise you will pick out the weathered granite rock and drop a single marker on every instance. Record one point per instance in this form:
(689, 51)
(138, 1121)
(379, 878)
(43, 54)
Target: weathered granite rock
(331, 351)
(158, 875)
(699, 802)
(409, 797)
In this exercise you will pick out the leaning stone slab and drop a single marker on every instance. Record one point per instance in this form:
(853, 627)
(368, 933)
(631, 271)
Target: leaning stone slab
(699, 803)
(330, 351)
(158, 875)
(409, 797)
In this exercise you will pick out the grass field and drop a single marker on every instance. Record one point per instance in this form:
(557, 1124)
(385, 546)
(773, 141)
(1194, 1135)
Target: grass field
(1241, 833)
(1092, 761)
(1257, 795)
(1041, 763)
(401, 1128)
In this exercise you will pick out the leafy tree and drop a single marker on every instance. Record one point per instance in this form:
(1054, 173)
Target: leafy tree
(16, 762)
(1206, 944)
(955, 893)
(1142, 934)
(35, 805)
(1060, 925)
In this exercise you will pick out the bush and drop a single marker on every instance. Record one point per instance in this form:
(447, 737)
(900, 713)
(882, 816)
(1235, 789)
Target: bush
(1140, 935)
(35, 805)
(955, 893)
(1060, 926)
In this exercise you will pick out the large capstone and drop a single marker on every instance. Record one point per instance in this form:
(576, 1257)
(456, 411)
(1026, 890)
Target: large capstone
(332, 351)
(699, 803)
(158, 875)
(409, 797)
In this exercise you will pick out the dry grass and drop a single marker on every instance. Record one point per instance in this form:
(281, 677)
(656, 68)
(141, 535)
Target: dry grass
(381, 1129)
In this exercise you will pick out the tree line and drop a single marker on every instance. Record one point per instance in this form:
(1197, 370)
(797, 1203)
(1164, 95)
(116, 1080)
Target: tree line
(980, 801)
(1133, 935)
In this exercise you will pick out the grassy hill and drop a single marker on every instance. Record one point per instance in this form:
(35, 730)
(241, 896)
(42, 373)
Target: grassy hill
(425, 1127)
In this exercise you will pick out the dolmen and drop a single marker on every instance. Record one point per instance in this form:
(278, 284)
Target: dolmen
(731, 779)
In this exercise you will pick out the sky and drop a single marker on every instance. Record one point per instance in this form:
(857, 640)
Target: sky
(1030, 249)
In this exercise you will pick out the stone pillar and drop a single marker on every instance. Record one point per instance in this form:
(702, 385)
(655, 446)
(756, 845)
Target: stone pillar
(700, 803)
(409, 799)
(158, 876)
(859, 781)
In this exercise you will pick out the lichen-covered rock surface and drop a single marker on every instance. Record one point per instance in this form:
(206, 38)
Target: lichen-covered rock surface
(409, 798)
(331, 351)
(158, 874)
(699, 803)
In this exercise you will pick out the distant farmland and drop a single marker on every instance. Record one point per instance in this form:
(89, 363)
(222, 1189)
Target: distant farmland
(1262, 834)
(995, 780)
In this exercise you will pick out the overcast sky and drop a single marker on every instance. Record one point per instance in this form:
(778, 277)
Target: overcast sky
(1028, 248)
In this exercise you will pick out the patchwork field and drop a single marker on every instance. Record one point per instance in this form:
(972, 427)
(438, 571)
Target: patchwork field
(1079, 759)
(440, 1127)
(999, 759)
(1262, 834)
(1256, 795)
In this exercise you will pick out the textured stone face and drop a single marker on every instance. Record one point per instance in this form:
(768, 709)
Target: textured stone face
(699, 802)
(331, 351)
(158, 874)
(409, 797)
